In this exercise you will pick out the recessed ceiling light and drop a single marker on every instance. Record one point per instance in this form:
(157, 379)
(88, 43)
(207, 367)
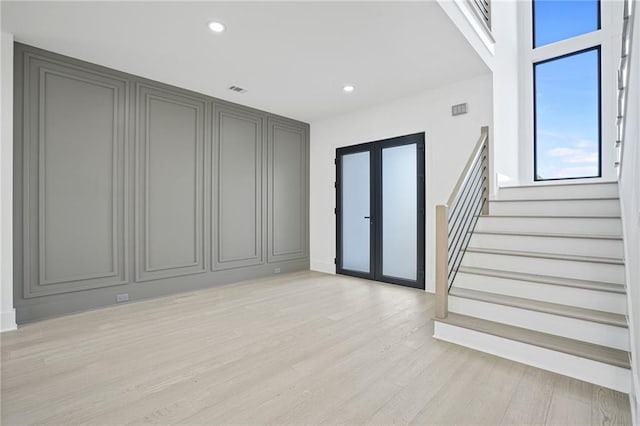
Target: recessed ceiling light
(216, 27)
(349, 88)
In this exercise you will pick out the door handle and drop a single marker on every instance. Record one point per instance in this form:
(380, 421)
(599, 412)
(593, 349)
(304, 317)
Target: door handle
(367, 217)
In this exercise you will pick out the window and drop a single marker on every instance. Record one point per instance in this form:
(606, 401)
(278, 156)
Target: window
(567, 116)
(566, 90)
(555, 20)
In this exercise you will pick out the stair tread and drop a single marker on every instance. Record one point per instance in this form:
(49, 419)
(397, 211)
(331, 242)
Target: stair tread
(535, 200)
(545, 279)
(556, 185)
(557, 256)
(540, 306)
(578, 348)
(551, 234)
(502, 216)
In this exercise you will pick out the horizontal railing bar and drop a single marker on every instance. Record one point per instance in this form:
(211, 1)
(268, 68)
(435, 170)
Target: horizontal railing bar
(475, 153)
(464, 229)
(460, 247)
(460, 229)
(476, 166)
(623, 79)
(453, 222)
(476, 217)
(464, 197)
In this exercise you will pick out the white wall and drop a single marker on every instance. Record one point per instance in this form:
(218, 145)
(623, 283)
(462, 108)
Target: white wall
(630, 200)
(506, 97)
(461, 14)
(499, 51)
(449, 141)
(7, 312)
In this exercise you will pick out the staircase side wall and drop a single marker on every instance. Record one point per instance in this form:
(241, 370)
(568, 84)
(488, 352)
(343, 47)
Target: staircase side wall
(630, 200)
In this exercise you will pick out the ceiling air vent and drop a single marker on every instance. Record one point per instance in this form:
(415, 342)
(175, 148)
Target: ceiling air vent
(237, 89)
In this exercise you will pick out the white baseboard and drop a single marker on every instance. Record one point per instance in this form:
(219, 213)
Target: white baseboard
(8, 321)
(321, 266)
(599, 373)
(634, 401)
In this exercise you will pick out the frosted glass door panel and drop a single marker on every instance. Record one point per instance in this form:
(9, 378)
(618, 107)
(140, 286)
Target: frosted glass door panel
(399, 212)
(356, 228)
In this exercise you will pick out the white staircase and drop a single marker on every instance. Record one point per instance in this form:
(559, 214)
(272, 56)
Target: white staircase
(542, 282)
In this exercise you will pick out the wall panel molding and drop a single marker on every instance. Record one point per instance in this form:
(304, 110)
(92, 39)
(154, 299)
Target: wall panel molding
(238, 177)
(288, 172)
(170, 130)
(56, 261)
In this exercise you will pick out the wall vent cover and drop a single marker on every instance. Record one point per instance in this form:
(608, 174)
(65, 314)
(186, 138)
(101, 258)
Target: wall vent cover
(238, 89)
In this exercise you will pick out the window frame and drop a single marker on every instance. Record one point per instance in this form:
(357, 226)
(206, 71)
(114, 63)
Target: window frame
(598, 49)
(608, 38)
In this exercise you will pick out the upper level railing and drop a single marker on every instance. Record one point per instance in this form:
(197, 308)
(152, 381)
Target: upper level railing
(456, 220)
(482, 9)
(623, 80)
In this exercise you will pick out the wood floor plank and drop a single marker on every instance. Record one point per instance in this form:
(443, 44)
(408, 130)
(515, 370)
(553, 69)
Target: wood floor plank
(530, 401)
(301, 348)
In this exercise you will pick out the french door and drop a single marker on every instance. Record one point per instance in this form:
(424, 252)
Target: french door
(380, 210)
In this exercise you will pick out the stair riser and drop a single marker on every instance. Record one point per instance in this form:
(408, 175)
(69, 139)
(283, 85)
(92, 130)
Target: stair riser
(609, 190)
(571, 246)
(582, 298)
(600, 272)
(557, 208)
(586, 331)
(590, 371)
(583, 226)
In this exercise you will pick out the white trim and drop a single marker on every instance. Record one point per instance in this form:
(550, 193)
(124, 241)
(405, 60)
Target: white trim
(322, 266)
(633, 396)
(483, 32)
(7, 311)
(599, 373)
(627, 224)
(8, 321)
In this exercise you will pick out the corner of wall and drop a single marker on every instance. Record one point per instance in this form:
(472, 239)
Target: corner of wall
(320, 266)
(8, 320)
(7, 312)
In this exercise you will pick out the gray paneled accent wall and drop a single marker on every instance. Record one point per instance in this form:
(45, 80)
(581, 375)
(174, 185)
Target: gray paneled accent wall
(238, 187)
(126, 185)
(288, 194)
(169, 189)
(74, 178)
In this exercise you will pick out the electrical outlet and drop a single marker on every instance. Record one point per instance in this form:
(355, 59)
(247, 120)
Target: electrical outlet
(124, 297)
(276, 271)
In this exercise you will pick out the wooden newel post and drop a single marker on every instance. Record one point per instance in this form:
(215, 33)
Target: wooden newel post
(442, 260)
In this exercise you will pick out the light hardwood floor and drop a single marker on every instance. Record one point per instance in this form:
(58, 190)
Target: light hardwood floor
(292, 349)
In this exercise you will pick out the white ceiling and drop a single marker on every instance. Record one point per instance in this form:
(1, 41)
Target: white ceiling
(293, 57)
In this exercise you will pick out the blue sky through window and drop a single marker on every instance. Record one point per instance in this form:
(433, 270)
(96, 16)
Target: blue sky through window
(567, 117)
(567, 94)
(558, 20)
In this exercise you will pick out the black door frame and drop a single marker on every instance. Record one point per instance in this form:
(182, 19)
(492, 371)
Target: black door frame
(375, 209)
